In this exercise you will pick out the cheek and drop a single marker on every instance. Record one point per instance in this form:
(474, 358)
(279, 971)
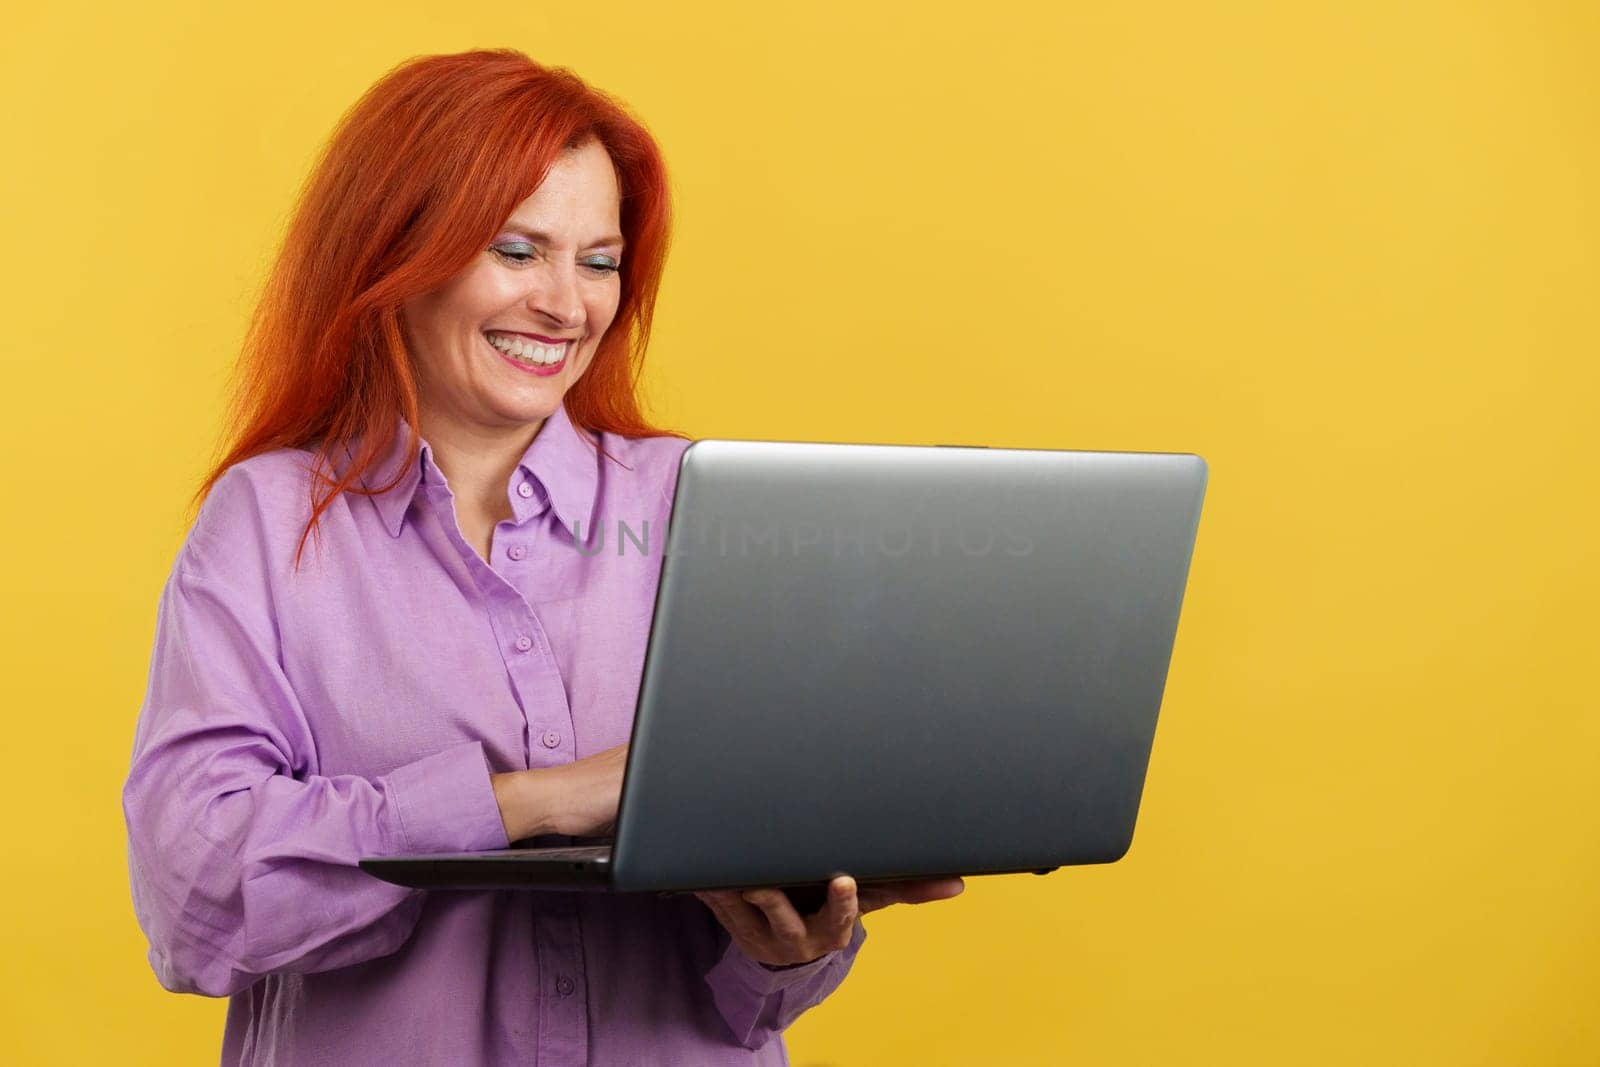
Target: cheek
(476, 296)
(603, 311)
(420, 327)
(431, 319)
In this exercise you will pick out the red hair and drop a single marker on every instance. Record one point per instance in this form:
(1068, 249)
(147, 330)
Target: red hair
(415, 181)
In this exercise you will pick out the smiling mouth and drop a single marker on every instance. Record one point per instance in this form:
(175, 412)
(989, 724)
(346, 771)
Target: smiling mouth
(527, 351)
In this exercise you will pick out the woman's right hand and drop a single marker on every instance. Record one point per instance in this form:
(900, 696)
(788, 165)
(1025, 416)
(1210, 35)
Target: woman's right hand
(578, 799)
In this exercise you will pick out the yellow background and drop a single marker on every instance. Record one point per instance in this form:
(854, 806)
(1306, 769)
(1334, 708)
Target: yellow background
(1345, 251)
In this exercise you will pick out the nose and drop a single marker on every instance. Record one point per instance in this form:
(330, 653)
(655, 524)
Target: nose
(556, 297)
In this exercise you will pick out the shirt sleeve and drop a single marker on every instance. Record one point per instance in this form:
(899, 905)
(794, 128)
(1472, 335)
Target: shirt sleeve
(242, 862)
(757, 1002)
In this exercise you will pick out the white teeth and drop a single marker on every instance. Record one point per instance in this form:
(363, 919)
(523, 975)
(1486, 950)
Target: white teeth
(528, 351)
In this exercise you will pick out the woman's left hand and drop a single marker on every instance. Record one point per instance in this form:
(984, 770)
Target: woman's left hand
(767, 928)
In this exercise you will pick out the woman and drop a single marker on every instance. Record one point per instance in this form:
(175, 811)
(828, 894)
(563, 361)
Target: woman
(437, 400)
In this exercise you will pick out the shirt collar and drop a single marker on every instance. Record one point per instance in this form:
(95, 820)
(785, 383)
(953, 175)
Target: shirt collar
(559, 460)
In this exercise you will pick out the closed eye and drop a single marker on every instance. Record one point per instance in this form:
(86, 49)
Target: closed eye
(521, 253)
(517, 253)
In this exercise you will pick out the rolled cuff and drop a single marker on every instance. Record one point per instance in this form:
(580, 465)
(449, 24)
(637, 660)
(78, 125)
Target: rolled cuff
(763, 981)
(445, 802)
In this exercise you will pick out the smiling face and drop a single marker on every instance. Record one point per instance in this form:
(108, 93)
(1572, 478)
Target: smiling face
(499, 345)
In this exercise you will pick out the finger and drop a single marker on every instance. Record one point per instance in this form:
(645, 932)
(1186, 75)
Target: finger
(713, 904)
(736, 916)
(925, 890)
(919, 891)
(833, 925)
(784, 921)
(718, 906)
(717, 897)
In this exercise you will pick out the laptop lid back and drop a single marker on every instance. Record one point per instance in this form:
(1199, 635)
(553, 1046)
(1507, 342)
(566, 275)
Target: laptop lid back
(899, 661)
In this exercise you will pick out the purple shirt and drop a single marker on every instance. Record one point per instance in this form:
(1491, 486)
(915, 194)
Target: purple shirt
(296, 722)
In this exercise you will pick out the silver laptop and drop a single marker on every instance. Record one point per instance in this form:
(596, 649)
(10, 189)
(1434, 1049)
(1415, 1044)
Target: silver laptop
(887, 661)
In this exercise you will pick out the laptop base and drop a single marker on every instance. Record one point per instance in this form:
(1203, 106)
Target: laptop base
(567, 869)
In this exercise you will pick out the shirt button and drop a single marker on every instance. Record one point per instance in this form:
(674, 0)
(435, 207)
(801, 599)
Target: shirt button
(524, 490)
(551, 739)
(517, 551)
(524, 643)
(564, 986)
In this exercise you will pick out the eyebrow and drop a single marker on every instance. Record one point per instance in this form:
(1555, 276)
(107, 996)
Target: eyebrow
(536, 235)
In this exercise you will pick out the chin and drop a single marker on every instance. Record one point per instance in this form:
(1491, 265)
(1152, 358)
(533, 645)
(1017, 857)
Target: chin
(532, 411)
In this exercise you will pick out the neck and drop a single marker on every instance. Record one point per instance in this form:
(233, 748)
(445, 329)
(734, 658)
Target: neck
(478, 460)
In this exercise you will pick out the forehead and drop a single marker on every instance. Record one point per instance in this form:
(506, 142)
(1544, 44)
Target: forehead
(579, 193)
